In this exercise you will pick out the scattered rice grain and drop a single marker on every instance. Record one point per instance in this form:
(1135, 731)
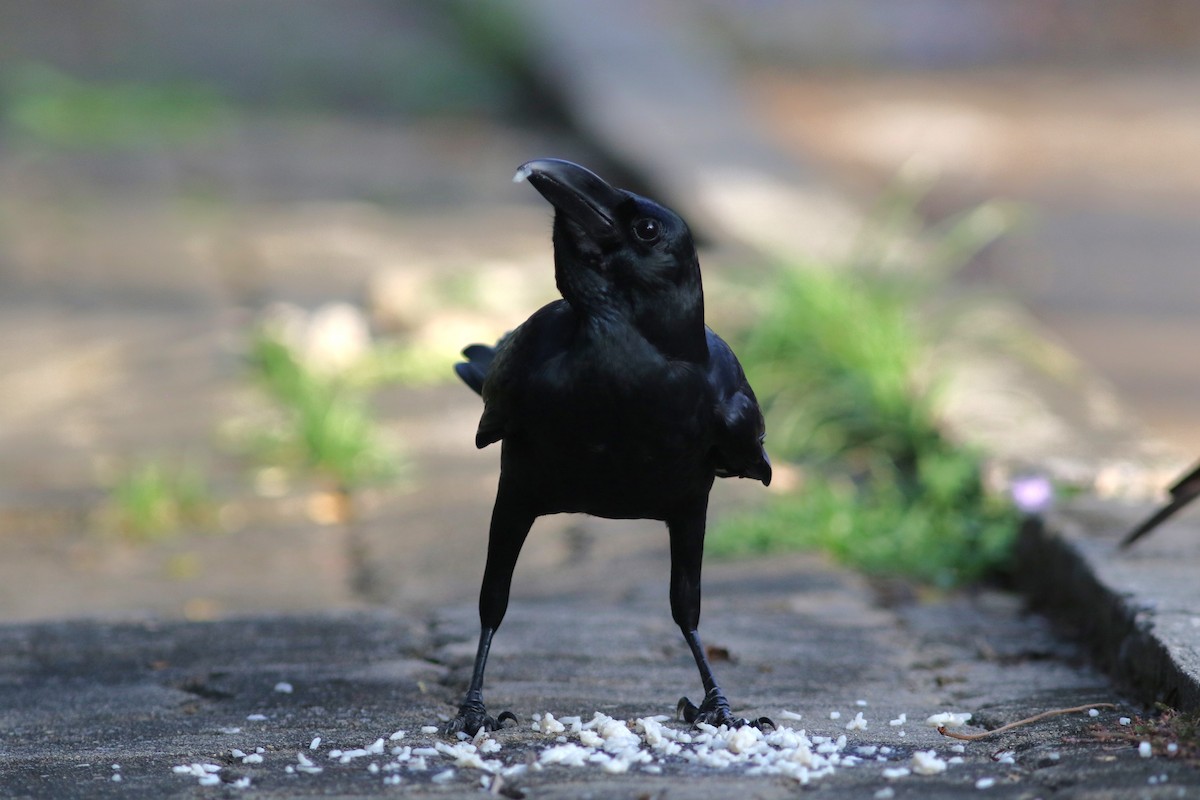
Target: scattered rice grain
(926, 762)
(948, 719)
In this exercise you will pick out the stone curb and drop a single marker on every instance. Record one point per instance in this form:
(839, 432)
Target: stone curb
(1137, 609)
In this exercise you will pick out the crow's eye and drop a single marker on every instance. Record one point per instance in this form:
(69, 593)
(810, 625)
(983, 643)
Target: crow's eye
(647, 229)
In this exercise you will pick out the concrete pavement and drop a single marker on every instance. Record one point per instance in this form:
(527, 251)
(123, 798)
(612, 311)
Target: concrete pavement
(124, 710)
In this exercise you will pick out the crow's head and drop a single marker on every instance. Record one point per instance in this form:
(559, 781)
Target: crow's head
(620, 255)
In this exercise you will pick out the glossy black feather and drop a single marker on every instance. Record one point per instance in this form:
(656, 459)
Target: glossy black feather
(474, 370)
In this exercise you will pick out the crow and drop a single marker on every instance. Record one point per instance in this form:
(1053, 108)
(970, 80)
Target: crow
(616, 401)
(1184, 491)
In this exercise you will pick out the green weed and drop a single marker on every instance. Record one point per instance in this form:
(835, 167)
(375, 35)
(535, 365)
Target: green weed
(1171, 733)
(323, 424)
(840, 360)
(154, 500)
(51, 107)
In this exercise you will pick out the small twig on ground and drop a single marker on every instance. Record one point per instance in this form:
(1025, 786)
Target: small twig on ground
(975, 737)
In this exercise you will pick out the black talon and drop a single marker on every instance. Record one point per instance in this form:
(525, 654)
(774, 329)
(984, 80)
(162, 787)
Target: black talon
(715, 711)
(686, 710)
(473, 717)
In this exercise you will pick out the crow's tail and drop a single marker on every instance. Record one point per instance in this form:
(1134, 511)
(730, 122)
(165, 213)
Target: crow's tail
(474, 370)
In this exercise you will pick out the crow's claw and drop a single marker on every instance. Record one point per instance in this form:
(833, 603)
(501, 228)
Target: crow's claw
(715, 711)
(473, 717)
(686, 710)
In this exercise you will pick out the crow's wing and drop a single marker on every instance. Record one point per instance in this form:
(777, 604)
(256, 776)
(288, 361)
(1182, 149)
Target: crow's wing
(740, 428)
(505, 367)
(478, 362)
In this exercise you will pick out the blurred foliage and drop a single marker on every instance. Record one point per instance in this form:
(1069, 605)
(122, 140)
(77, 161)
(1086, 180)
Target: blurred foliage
(319, 425)
(52, 108)
(155, 500)
(405, 364)
(323, 423)
(1171, 733)
(457, 58)
(835, 358)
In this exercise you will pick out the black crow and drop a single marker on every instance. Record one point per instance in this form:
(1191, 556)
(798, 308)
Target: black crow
(616, 401)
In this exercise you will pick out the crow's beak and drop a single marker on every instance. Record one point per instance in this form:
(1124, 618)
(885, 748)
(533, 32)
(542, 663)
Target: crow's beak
(579, 194)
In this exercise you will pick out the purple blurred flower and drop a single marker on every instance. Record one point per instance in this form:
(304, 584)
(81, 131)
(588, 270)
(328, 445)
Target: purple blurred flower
(1032, 493)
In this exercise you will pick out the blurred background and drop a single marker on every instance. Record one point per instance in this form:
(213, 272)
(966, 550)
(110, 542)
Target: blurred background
(241, 245)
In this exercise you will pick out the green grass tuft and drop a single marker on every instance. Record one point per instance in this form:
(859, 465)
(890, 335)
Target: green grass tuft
(835, 358)
(53, 108)
(153, 501)
(324, 424)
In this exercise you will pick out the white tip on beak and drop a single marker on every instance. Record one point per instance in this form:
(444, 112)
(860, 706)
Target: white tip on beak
(523, 173)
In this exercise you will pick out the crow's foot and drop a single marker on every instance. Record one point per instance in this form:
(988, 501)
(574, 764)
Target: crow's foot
(473, 717)
(715, 711)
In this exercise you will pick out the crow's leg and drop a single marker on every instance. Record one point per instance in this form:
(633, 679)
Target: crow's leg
(687, 554)
(511, 522)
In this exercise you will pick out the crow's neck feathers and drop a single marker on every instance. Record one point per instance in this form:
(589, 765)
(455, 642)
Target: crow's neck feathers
(613, 283)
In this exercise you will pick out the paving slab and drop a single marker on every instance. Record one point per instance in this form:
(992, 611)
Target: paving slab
(82, 702)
